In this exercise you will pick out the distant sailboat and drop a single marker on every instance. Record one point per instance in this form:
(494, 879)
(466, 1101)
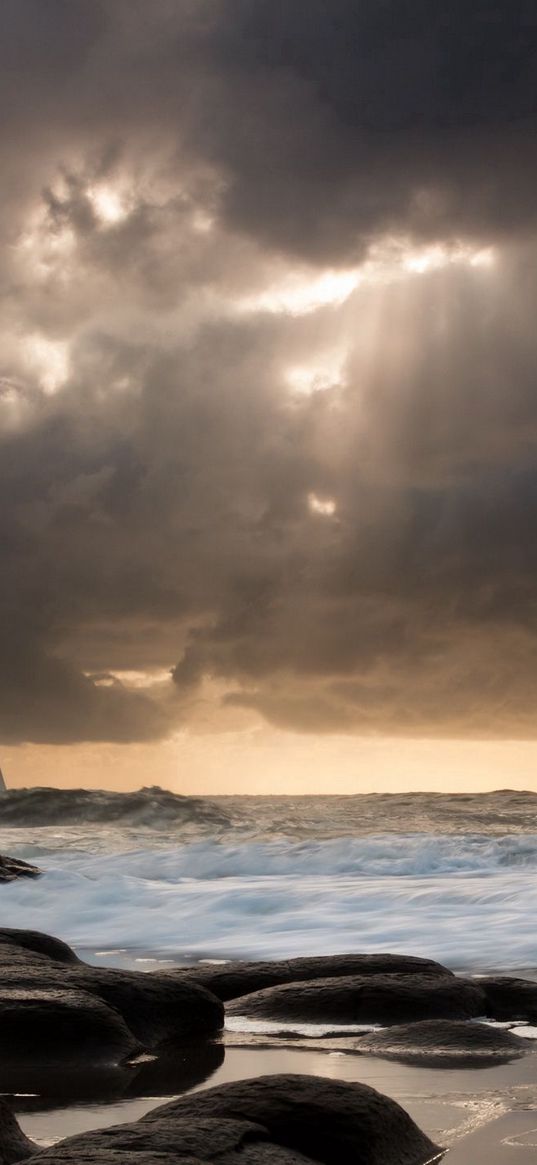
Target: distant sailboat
(3, 786)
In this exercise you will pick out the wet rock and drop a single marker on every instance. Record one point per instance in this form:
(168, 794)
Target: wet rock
(13, 868)
(199, 1137)
(15, 960)
(240, 978)
(14, 1145)
(265, 1154)
(441, 1043)
(61, 1027)
(331, 1121)
(272, 1120)
(510, 998)
(39, 943)
(155, 1008)
(386, 999)
(116, 1157)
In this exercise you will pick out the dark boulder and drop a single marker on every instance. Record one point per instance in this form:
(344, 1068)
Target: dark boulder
(371, 999)
(13, 868)
(272, 1120)
(114, 1157)
(51, 1027)
(198, 1137)
(156, 1008)
(240, 978)
(445, 1043)
(510, 998)
(14, 1145)
(331, 1121)
(16, 960)
(260, 1153)
(41, 944)
(265, 1153)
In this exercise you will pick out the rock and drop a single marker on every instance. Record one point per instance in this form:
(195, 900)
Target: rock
(15, 960)
(14, 1145)
(13, 868)
(265, 1153)
(199, 1137)
(116, 1157)
(61, 1027)
(239, 978)
(354, 999)
(41, 944)
(331, 1121)
(510, 998)
(298, 1121)
(273, 1120)
(441, 1043)
(155, 1007)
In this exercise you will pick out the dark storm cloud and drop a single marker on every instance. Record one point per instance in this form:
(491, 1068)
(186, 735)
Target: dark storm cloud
(329, 123)
(46, 700)
(337, 121)
(356, 559)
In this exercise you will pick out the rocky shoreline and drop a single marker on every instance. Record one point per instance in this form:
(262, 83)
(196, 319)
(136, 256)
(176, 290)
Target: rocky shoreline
(163, 1031)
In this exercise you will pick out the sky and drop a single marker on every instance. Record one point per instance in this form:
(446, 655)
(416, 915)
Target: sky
(268, 407)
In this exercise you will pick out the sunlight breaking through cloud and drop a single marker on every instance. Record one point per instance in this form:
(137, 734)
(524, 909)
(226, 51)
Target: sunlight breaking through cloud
(326, 507)
(49, 360)
(326, 373)
(297, 296)
(388, 262)
(109, 205)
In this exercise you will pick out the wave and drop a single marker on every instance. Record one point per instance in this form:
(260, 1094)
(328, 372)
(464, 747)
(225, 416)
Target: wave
(463, 900)
(383, 855)
(265, 818)
(150, 807)
(393, 855)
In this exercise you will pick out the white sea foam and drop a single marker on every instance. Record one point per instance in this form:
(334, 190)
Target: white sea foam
(376, 855)
(464, 899)
(243, 1025)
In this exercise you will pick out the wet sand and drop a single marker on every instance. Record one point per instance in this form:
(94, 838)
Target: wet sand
(478, 1114)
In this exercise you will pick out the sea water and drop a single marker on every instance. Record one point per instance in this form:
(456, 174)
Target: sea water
(148, 878)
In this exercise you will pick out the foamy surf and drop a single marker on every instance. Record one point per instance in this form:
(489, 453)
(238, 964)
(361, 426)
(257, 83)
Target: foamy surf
(243, 1025)
(464, 900)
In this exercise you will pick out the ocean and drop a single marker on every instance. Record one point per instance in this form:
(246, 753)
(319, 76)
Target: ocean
(149, 878)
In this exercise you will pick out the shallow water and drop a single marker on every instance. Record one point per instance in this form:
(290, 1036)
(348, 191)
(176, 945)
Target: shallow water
(450, 1105)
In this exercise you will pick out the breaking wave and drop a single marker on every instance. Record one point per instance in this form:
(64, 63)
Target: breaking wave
(463, 899)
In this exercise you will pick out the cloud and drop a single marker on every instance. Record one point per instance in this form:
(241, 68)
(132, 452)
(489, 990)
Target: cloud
(246, 435)
(339, 122)
(318, 126)
(45, 700)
